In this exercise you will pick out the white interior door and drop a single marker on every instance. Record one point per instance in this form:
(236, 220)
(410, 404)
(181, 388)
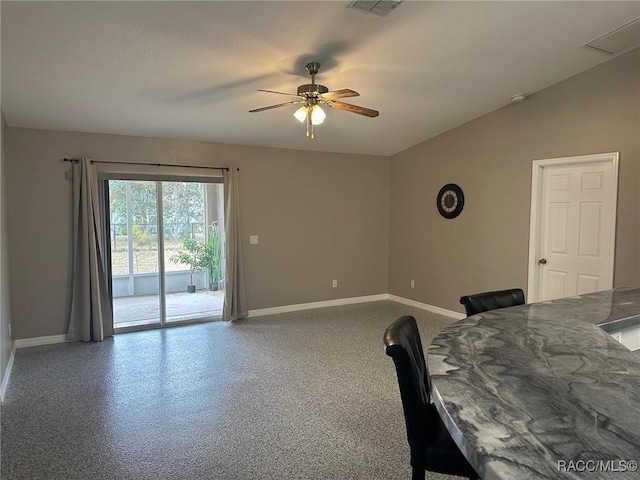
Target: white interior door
(575, 230)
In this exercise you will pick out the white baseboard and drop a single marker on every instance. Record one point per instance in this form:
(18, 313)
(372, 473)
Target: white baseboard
(353, 300)
(52, 339)
(7, 373)
(430, 308)
(48, 340)
(309, 306)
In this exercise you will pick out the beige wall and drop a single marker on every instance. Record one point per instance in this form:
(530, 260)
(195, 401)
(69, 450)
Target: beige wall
(486, 247)
(6, 342)
(319, 217)
(369, 222)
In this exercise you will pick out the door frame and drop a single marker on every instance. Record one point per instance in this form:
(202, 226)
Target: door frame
(158, 180)
(537, 169)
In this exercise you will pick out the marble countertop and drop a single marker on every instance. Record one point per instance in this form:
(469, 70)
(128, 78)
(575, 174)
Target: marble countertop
(541, 391)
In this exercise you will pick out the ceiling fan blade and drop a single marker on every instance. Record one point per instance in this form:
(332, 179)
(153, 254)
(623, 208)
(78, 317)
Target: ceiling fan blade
(345, 92)
(275, 106)
(279, 93)
(367, 112)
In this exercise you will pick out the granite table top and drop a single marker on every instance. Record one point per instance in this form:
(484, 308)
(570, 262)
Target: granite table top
(541, 391)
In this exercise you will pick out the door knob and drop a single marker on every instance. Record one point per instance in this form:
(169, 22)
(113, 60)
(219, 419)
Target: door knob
(542, 261)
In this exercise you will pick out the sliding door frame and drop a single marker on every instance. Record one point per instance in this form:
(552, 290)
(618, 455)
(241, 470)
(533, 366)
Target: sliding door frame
(161, 266)
(104, 178)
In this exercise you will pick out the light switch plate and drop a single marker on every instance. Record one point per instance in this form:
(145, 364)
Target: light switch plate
(253, 239)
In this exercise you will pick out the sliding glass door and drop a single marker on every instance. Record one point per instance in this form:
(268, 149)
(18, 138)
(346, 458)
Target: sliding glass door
(134, 252)
(167, 244)
(192, 214)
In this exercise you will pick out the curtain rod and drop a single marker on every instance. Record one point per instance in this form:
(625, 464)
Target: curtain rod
(75, 160)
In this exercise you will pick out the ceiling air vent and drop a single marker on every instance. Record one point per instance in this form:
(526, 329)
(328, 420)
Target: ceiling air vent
(382, 8)
(620, 40)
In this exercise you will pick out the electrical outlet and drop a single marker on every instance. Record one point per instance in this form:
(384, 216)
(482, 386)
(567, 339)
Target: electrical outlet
(335, 283)
(253, 239)
(413, 284)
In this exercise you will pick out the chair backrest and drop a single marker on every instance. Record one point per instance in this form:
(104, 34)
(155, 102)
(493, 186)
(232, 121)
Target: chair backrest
(482, 302)
(403, 345)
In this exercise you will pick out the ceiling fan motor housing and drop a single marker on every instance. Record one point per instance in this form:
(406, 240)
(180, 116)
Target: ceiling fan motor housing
(311, 90)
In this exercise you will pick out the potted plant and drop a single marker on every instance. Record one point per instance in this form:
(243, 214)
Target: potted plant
(213, 256)
(194, 257)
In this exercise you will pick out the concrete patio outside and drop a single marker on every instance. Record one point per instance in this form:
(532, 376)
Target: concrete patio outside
(140, 310)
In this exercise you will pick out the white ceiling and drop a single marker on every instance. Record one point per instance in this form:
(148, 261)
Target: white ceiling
(191, 70)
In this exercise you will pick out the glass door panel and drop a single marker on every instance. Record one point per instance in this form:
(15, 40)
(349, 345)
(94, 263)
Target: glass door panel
(192, 250)
(134, 253)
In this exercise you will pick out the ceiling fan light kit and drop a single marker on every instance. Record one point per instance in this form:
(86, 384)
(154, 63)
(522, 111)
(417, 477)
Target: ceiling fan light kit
(316, 113)
(313, 115)
(301, 114)
(312, 95)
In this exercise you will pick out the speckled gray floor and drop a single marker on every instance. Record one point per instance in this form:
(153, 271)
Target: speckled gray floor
(305, 395)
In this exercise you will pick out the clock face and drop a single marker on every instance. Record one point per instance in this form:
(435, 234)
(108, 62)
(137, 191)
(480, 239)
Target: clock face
(450, 201)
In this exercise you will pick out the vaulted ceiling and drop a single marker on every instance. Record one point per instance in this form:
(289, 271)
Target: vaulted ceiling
(191, 70)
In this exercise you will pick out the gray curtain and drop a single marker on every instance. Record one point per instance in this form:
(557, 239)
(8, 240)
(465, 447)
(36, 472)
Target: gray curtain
(91, 316)
(235, 301)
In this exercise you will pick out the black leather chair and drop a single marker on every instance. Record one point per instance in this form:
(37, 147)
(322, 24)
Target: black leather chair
(483, 302)
(431, 445)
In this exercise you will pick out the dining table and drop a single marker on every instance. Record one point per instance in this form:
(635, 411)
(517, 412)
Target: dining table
(544, 390)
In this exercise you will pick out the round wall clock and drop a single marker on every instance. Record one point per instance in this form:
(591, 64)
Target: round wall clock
(450, 201)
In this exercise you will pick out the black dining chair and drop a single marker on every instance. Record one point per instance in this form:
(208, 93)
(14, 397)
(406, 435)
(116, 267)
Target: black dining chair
(483, 302)
(431, 446)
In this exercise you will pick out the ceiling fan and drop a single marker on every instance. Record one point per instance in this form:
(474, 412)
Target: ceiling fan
(312, 96)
